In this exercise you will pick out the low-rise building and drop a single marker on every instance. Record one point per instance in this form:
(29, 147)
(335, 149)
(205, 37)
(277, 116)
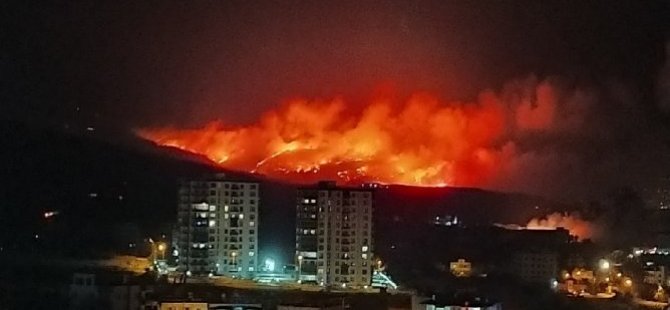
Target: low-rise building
(581, 274)
(187, 305)
(654, 275)
(111, 290)
(460, 303)
(320, 306)
(460, 268)
(200, 305)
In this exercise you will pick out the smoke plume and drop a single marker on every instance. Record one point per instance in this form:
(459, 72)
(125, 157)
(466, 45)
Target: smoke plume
(577, 227)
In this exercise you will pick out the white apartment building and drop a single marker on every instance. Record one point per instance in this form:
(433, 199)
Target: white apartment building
(334, 235)
(217, 227)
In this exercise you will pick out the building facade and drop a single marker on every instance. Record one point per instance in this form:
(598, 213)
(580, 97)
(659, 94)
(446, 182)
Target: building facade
(539, 267)
(217, 227)
(654, 275)
(334, 235)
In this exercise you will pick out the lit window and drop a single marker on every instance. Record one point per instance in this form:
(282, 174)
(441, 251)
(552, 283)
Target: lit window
(212, 208)
(364, 255)
(252, 223)
(241, 216)
(225, 208)
(305, 201)
(212, 223)
(251, 268)
(365, 248)
(313, 201)
(251, 253)
(225, 215)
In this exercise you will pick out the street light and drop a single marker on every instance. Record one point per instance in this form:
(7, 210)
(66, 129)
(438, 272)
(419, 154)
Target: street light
(161, 250)
(604, 265)
(299, 267)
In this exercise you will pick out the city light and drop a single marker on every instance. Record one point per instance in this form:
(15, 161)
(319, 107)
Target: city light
(50, 214)
(604, 264)
(270, 264)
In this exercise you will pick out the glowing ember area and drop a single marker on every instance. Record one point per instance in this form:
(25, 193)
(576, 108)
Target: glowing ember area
(572, 222)
(418, 141)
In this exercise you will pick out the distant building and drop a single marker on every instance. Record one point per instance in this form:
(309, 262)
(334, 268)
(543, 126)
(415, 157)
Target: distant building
(108, 290)
(539, 266)
(381, 280)
(581, 274)
(654, 275)
(196, 305)
(461, 268)
(334, 235)
(217, 227)
(320, 306)
(460, 303)
(446, 220)
(187, 305)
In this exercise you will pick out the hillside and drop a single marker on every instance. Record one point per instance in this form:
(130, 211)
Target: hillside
(109, 194)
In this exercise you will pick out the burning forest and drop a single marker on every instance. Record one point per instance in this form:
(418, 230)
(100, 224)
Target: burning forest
(418, 140)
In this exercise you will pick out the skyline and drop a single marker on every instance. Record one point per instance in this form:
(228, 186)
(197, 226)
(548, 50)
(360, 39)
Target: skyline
(140, 66)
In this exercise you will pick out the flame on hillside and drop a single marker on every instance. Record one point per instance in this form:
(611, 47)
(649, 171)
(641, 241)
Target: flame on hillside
(420, 140)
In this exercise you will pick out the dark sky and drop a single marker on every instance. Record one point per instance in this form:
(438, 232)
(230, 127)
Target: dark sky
(137, 63)
(131, 64)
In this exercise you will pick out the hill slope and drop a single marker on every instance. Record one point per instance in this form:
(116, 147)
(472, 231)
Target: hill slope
(109, 194)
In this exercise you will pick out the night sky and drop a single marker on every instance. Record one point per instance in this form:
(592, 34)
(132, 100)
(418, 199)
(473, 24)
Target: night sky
(133, 64)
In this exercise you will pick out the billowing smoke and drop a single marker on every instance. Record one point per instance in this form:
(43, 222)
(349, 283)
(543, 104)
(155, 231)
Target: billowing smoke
(417, 140)
(577, 226)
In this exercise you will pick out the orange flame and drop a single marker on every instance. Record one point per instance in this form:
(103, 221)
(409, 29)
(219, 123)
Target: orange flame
(577, 227)
(421, 141)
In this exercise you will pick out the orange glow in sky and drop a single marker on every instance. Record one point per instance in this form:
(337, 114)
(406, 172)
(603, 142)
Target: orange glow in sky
(419, 140)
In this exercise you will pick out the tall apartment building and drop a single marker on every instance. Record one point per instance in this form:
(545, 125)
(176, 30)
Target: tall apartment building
(217, 227)
(535, 266)
(334, 235)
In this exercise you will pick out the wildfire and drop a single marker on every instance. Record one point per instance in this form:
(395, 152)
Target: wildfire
(572, 222)
(417, 141)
